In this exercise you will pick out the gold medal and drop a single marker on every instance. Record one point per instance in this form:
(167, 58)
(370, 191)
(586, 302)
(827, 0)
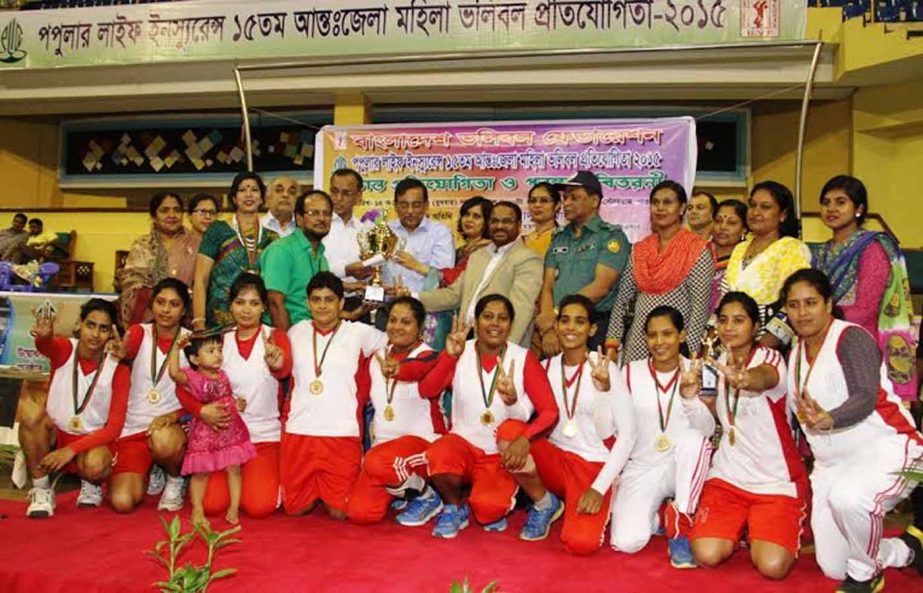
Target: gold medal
(487, 418)
(389, 413)
(570, 429)
(153, 396)
(316, 387)
(662, 444)
(732, 437)
(75, 424)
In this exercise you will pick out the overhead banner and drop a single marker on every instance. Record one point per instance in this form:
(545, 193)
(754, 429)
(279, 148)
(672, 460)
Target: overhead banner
(502, 160)
(243, 29)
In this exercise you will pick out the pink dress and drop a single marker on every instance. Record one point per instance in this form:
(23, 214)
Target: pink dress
(212, 450)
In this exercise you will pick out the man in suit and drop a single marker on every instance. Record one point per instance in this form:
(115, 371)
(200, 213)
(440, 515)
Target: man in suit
(505, 267)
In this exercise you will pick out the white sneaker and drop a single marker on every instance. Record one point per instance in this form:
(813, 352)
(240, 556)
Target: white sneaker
(156, 481)
(41, 503)
(172, 497)
(90, 495)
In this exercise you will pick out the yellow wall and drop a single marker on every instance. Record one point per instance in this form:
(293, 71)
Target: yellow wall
(28, 164)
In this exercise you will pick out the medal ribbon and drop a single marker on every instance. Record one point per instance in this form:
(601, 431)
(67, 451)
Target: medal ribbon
(732, 411)
(571, 409)
(801, 386)
(319, 366)
(81, 406)
(674, 383)
(157, 375)
(389, 394)
(488, 397)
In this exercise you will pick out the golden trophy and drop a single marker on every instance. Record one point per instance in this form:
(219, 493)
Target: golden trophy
(376, 245)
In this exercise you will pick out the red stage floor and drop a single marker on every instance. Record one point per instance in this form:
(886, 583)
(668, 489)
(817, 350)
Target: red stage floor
(97, 551)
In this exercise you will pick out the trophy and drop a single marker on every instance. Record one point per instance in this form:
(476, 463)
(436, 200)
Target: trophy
(376, 245)
(709, 372)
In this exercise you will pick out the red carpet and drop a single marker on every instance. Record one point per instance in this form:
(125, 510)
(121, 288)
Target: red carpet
(97, 551)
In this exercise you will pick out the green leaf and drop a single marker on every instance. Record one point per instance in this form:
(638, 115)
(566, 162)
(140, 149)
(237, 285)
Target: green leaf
(491, 587)
(175, 527)
(225, 572)
(456, 588)
(227, 542)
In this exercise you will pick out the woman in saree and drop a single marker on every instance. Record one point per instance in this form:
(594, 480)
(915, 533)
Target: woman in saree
(869, 278)
(168, 251)
(227, 250)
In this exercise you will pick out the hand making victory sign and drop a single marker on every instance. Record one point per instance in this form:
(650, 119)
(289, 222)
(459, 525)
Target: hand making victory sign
(600, 370)
(506, 387)
(455, 340)
(690, 378)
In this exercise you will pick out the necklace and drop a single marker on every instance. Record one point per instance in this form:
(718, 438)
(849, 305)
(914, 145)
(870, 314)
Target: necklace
(76, 424)
(487, 418)
(662, 442)
(570, 408)
(154, 395)
(316, 387)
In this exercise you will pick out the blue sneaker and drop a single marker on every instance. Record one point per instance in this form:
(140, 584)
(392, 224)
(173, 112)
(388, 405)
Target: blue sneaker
(453, 519)
(420, 510)
(538, 523)
(497, 526)
(681, 552)
(398, 504)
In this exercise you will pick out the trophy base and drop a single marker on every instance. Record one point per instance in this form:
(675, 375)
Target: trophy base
(374, 294)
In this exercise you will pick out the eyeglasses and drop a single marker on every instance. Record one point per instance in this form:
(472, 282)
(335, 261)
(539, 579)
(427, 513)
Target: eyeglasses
(314, 213)
(205, 213)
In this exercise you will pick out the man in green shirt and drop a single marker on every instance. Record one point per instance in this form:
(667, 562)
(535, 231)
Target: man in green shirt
(587, 257)
(289, 263)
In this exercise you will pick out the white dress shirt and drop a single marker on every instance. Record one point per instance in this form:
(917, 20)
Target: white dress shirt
(270, 223)
(431, 244)
(341, 245)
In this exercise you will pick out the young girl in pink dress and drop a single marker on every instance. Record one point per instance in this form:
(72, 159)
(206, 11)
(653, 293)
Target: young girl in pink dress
(210, 450)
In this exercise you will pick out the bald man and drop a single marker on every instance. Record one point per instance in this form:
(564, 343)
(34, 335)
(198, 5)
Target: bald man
(280, 200)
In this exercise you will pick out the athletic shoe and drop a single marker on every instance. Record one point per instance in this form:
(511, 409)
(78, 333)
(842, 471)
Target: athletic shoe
(538, 523)
(156, 481)
(498, 525)
(873, 585)
(41, 503)
(913, 537)
(681, 552)
(172, 497)
(451, 520)
(398, 504)
(420, 510)
(90, 495)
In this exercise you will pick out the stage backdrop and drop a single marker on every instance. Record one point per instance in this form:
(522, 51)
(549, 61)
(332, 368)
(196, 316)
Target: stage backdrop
(244, 29)
(502, 160)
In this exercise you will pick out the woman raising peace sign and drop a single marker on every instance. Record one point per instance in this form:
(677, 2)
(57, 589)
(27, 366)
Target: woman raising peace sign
(574, 463)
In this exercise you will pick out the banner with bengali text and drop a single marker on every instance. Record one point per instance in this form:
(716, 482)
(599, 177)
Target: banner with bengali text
(502, 160)
(243, 29)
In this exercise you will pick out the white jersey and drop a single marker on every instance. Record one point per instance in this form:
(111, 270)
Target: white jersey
(141, 410)
(332, 412)
(763, 458)
(640, 380)
(252, 380)
(468, 401)
(60, 402)
(598, 416)
(411, 414)
(826, 384)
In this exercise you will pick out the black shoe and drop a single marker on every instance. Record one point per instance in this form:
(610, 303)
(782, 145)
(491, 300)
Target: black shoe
(913, 537)
(850, 585)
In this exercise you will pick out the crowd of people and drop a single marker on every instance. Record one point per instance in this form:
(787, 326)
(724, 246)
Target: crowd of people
(565, 364)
